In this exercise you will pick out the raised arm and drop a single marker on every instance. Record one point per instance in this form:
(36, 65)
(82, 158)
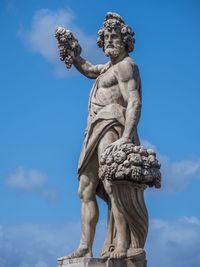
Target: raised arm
(70, 51)
(86, 68)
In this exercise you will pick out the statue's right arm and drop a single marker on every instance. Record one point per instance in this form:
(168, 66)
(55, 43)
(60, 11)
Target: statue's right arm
(86, 68)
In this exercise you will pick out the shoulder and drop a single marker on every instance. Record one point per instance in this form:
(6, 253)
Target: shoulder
(127, 69)
(105, 67)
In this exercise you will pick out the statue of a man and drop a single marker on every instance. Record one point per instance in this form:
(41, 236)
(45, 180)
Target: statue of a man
(114, 112)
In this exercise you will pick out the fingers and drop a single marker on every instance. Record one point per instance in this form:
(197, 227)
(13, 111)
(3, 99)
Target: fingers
(111, 148)
(115, 148)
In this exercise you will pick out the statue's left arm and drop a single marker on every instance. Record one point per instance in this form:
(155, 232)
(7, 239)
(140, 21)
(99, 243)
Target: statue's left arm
(128, 78)
(129, 83)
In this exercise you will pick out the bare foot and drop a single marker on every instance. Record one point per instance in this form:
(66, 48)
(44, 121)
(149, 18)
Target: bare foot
(79, 253)
(119, 252)
(106, 251)
(135, 252)
(105, 255)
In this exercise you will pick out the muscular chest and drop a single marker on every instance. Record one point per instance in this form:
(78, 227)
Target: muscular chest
(108, 79)
(108, 89)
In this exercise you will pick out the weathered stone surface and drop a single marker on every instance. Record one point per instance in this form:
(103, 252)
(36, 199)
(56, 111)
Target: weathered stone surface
(112, 164)
(95, 262)
(131, 163)
(68, 46)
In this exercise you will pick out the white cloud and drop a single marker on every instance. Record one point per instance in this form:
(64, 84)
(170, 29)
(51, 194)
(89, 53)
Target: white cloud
(38, 264)
(41, 264)
(191, 220)
(147, 144)
(174, 243)
(50, 193)
(175, 175)
(26, 179)
(40, 38)
(39, 245)
(22, 179)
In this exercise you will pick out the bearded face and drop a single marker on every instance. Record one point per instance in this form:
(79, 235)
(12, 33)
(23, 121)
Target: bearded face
(113, 44)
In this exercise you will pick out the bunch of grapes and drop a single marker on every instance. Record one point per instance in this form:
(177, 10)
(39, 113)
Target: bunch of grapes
(68, 46)
(131, 162)
(107, 171)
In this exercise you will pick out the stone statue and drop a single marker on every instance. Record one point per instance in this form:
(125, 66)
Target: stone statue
(112, 164)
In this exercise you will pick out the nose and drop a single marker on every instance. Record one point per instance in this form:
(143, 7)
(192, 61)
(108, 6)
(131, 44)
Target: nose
(109, 39)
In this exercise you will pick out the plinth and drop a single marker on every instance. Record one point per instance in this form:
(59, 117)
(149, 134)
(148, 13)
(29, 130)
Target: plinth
(133, 261)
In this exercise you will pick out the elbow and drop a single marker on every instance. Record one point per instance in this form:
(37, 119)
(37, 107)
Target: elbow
(91, 73)
(136, 103)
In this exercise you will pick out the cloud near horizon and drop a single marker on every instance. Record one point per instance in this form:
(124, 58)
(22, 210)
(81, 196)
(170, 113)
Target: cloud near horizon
(172, 243)
(40, 38)
(26, 179)
(42, 244)
(175, 175)
(23, 179)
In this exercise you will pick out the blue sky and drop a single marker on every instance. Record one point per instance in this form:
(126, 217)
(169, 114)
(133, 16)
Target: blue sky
(43, 109)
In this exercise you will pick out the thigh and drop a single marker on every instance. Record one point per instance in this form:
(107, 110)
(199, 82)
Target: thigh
(108, 138)
(89, 179)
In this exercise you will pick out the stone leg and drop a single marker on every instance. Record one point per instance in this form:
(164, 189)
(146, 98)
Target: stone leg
(123, 238)
(109, 137)
(123, 235)
(89, 210)
(109, 241)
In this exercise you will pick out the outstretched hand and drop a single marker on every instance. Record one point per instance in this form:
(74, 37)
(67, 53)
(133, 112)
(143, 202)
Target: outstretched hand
(68, 45)
(115, 145)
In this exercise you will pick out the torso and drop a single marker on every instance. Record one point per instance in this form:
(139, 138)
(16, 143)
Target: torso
(108, 91)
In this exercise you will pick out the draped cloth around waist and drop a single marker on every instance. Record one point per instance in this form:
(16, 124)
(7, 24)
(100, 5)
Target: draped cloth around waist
(108, 117)
(101, 119)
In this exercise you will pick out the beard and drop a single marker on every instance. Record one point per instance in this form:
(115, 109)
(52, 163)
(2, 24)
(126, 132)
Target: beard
(113, 52)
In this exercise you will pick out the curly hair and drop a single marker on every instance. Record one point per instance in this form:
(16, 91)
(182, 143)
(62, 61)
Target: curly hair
(113, 21)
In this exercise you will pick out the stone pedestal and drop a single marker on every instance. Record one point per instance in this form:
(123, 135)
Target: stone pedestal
(134, 261)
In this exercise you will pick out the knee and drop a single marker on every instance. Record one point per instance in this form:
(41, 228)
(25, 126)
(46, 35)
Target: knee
(81, 192)
(84, 182)
(87, 189)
